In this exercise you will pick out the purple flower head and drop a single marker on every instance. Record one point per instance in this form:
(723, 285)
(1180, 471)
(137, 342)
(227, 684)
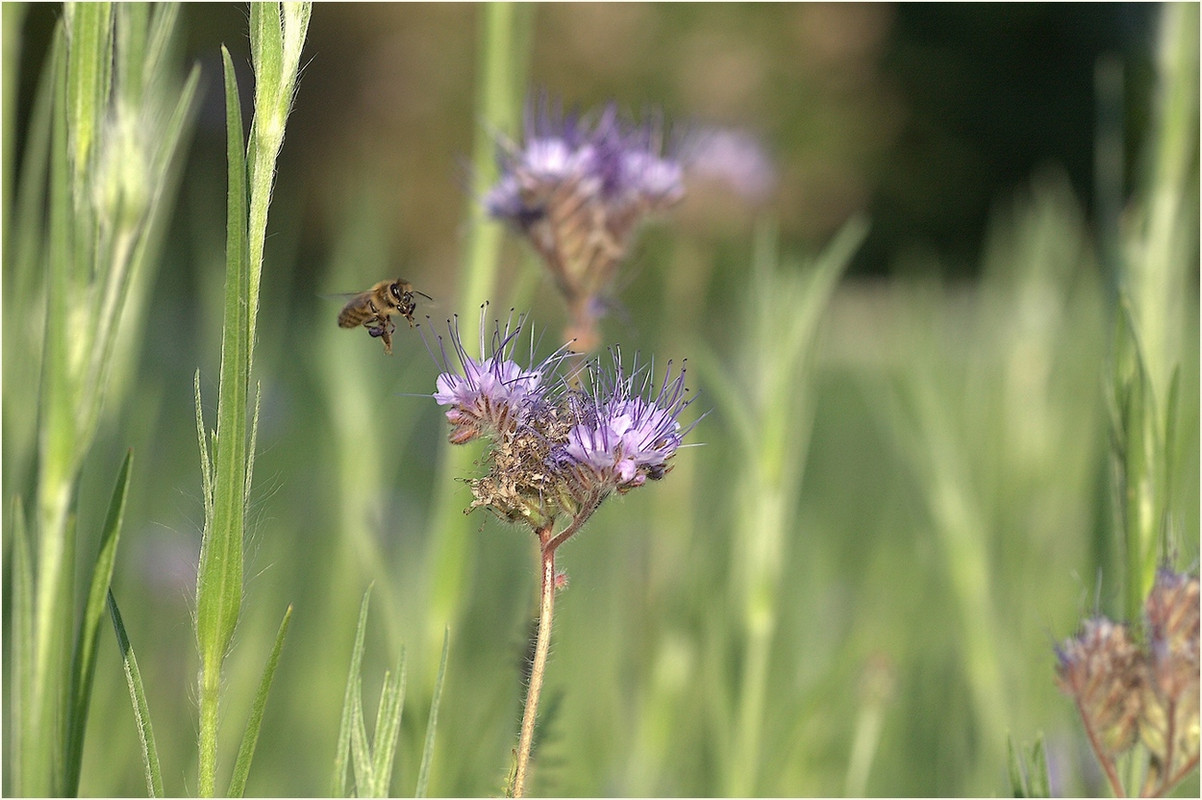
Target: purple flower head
(578, 188)
(734, 157)
(625, 432)
(493, 394)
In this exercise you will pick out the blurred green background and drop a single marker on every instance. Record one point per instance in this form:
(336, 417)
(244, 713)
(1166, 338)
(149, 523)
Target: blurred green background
(955, 516)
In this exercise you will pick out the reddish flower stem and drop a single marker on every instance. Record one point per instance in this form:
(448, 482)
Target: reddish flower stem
(538, 666)
(548, 544)
(1107, 764)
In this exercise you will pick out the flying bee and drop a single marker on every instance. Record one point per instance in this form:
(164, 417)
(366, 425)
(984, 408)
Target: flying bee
(374, 308)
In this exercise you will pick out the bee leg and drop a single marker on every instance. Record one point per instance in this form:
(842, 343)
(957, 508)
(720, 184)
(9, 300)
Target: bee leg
(386, 337)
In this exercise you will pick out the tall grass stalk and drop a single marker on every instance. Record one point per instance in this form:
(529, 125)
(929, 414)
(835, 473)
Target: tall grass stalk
(768, 401)
(1159, 254)
(89, 206)
(277, 38)
(501, 57)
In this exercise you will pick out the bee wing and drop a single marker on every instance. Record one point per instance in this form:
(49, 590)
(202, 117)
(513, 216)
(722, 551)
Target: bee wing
(354, 309)
(342, 297)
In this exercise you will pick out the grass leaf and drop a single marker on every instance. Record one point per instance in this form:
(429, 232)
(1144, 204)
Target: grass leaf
(338, 784)
(219, 575)
(250, 738)
(361, 747)
(84, 667)
(22, 633)
(1018, 783)
(89, 75)
(1037, 770)
(137, 694)
(206, 460)
(388, 724)
(423, 773)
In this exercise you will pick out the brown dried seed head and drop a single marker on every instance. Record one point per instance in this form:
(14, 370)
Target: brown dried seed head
(1103, 671)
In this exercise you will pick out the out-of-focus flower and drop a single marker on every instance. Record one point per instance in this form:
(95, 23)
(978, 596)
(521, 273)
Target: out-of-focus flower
(733, 157)
(578, 189)
(1127, 693)
(1169, 727)
(1100, 669)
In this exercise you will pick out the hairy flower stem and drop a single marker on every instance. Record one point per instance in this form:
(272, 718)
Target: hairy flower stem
(547, 544)
(538, 667)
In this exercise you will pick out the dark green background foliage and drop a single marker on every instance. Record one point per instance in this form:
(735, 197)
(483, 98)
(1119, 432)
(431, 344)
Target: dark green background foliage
(954, 515)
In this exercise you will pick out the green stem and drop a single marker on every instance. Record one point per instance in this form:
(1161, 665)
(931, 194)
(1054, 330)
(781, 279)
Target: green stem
(210, 695)
(502, 71)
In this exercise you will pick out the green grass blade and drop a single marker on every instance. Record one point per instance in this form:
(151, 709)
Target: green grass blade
(132, 30)
(1018, 784)
(388, 724)
(219, 583)
(89, 67)
(504, 29)
(137, 694)
(250, 738)
(338, 784)
(1037, 770)
(423, 773)
(219, 575)
(12, 23)
(162, 30)
(277, 36)
(250, 450)
(84, 666)
(361, 748)
(206, 460)
(22, 637)
(23, 277)
(59, 451)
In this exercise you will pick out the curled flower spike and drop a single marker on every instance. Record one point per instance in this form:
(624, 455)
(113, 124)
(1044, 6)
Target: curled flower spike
(1169, 727)
(1147, 693)
(1101, 670)
(492, 394)
(624, 432)
(578, 191)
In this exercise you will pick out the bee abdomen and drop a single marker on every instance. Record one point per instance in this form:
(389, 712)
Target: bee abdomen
(350, 318)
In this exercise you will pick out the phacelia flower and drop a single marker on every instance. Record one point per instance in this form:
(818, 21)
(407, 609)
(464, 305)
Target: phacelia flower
(1128, 692)
(732, 156)
(492, 394)
(557, 449)
(1169, 726)
(1102, 671)
(622, 435)
(578, 190)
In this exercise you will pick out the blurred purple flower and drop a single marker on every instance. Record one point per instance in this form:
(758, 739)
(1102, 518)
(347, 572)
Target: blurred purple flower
(732, 156)
(578, 189)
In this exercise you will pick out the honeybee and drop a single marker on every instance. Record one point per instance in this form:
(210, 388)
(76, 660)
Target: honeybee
(374, 308)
